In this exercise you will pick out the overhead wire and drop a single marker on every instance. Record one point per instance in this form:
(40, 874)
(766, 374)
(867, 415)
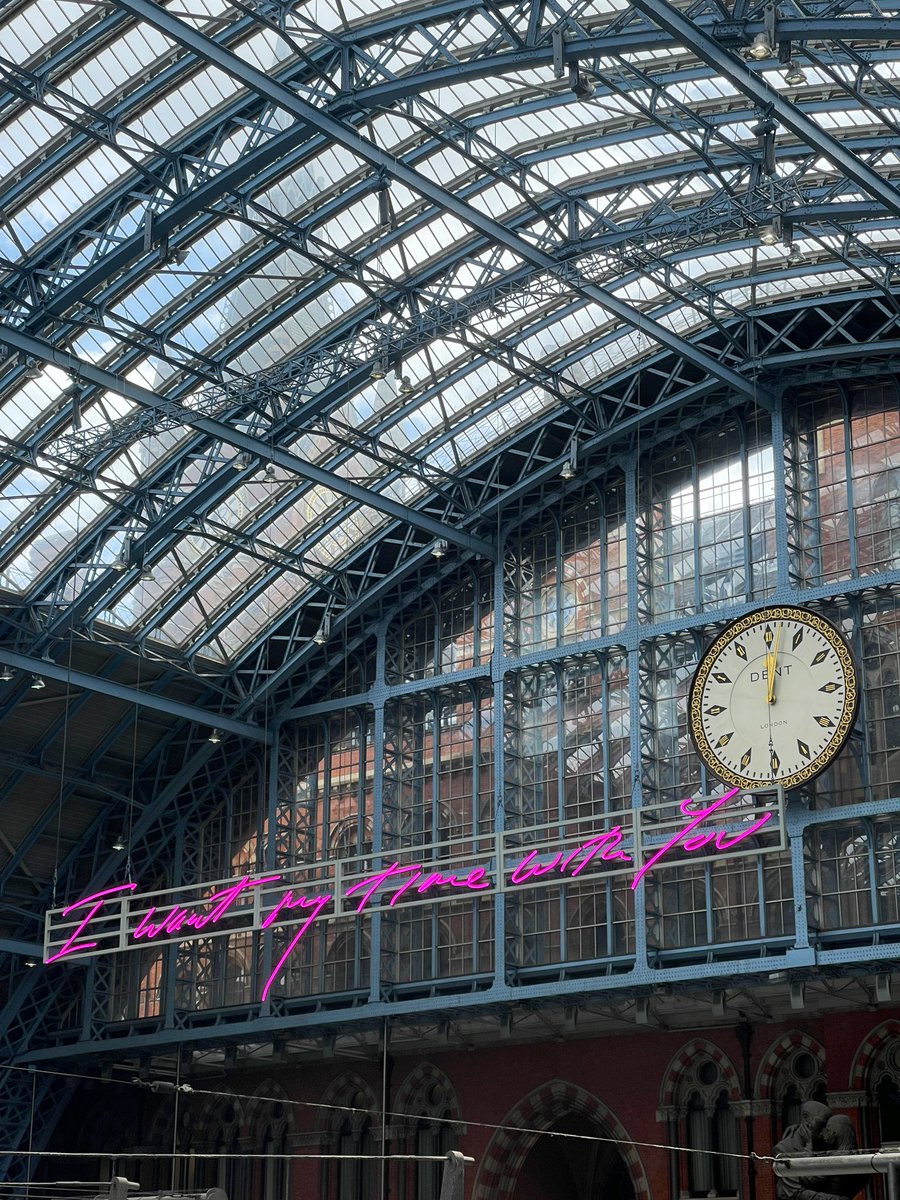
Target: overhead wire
(372, 1112)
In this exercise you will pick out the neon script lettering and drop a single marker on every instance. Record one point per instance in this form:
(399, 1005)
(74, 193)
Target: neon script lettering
(700, 841)
(396, 881)
(180, 917)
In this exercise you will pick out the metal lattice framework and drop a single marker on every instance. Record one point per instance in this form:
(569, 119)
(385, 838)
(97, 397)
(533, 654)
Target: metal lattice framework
(293, 296)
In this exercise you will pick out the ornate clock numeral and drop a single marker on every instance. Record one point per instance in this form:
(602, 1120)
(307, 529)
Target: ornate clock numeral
(803, 748)
(715, 709)
(745, 758)
(798, 638)
(740, 651)
(776, 763)
(724, 739)
(825, 722)
(820, 657)
(829, 687)
(721, 677)
(768, 635)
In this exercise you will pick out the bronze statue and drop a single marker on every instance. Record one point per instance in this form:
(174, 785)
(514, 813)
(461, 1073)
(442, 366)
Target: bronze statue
(800, 1140)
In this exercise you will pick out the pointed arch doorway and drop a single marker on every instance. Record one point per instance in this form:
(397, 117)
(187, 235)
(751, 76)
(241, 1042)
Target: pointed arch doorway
(529, 1160)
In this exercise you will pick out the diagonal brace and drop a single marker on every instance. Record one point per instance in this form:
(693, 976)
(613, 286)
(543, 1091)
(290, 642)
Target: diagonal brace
(345, 135)
(38, 348)
(668, 18)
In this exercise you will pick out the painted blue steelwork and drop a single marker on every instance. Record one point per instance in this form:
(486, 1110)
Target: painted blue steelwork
(142, 698)
(234, 437)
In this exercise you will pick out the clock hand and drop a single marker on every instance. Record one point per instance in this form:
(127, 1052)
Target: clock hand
(772, 663)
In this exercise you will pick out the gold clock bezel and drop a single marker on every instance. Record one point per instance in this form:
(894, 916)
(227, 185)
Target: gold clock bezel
(775, 612)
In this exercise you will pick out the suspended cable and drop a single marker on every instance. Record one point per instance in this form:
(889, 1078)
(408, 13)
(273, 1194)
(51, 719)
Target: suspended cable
(223, 1154)
(402, 1116)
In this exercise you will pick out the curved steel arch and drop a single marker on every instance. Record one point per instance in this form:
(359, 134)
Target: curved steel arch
(411, 85)
(604, 41)
(95, 614)
(29, 1005)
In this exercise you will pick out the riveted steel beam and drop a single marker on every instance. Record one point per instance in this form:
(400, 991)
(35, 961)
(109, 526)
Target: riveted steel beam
(36, 347)
(736, 71)
(346, 136)
(143, 699)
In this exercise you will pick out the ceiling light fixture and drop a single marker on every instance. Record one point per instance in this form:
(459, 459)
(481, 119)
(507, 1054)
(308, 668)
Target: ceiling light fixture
(440, 548)
(380, 369)
(30, 962)
(119, 843)
(147, 575)
(794, 75)
(579, 83)
(32, 368)
(568, 467)
(406, 386)
(323, 633)
(216, 736)
(37, 683)
(241, 461)
(760, 47)
(795, 256)
(767, 235)
(270, 470)
(6, 674)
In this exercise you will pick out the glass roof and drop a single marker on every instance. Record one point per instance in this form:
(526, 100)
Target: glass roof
(166, 223)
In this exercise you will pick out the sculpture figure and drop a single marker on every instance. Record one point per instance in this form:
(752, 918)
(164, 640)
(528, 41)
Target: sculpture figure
(800, 1140)
(840, 1138)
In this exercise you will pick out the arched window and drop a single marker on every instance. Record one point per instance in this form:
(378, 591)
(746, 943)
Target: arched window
(269, 1123)
(347, 959)
(884, 1092)
(427, 1096)
(711, 1127)
(707, 1128)
(356, 1167)
(346, 1129)
(799, 1076)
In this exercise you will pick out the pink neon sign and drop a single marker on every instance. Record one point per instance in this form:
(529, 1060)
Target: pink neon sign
(397, 880)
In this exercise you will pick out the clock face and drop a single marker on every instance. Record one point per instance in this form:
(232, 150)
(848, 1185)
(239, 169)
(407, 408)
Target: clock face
(773, 699)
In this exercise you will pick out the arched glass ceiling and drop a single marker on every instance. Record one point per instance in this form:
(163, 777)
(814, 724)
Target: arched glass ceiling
(537, 198)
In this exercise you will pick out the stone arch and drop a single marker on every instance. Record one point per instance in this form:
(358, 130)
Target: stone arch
(789, 1044)
(523, 1125)
(867, 1054)
(696, 1048)
(261, 1105)
(420, 1081)
(211, 1114)
(339, 1096)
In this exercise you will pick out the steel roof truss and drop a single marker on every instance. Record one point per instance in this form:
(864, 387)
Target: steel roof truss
(663, 14)
(346, 136)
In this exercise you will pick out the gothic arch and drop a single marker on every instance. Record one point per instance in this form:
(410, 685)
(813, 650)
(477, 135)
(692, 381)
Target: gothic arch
(348, 1090)
(509, 1147)
(868, 1053)
(212, 1115)
(261, 1107)
(682, 1060)
(780, 1051)
(420, 1082)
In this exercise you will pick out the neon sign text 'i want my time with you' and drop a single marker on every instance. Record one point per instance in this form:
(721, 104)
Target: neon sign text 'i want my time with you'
(396, 880)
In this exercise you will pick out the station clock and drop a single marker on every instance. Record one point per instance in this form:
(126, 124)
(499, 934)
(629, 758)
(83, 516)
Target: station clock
(773, 699)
